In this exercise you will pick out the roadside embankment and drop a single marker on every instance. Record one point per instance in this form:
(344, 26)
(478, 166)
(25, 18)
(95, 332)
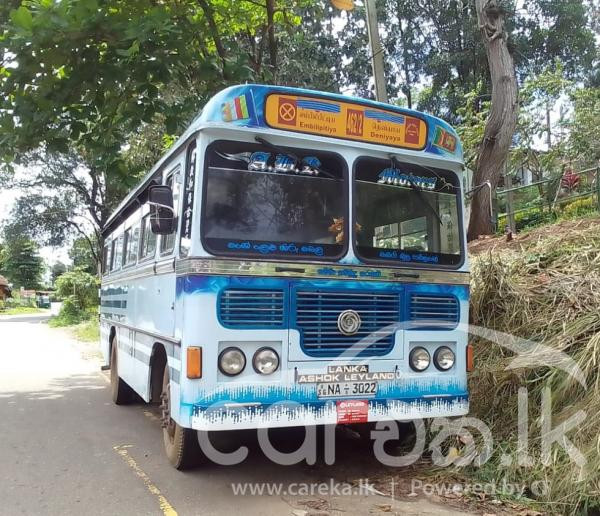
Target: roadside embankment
(545, 288)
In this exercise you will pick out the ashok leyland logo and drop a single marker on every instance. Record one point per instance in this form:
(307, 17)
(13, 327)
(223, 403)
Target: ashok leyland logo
(349, 322)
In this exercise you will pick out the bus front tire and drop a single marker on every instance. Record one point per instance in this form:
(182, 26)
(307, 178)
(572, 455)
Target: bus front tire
(120, 392)
(181, 444)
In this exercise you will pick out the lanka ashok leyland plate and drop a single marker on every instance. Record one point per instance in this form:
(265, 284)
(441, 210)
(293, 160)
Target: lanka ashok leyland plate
(346, 381)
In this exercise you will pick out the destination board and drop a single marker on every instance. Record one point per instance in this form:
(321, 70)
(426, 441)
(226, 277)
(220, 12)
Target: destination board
(345, 120)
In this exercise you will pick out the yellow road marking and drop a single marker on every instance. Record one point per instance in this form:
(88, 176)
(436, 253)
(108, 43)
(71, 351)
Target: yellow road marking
(165, 506)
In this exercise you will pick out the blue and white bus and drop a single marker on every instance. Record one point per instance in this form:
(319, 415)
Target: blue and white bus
(296, 258)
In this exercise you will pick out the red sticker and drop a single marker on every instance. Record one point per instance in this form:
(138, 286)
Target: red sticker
(287, 111)
(355, 121)
(352, 411)
(411, 134)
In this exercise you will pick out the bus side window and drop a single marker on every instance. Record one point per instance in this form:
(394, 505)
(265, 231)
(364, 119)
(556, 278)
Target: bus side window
(187, 204)
(148, 239)
(132, 253)
(117, 254)
(126, 245)
(105, 258)
(113, 246)
(167, 242)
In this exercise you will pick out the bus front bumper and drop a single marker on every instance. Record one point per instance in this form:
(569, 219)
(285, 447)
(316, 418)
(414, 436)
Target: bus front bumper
(237, 416)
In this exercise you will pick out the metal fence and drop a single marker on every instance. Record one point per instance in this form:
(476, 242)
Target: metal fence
(542, 201)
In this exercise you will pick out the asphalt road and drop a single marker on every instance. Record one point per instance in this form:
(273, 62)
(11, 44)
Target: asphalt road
(66, 449)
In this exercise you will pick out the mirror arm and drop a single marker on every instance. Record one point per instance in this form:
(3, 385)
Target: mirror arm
(159, 205)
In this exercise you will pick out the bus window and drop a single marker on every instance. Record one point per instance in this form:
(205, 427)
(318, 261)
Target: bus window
(133, 248)
(130, 247)
(117, 254)
(254, 209)
(167, 242)
(105, 258)
(126, 243)
(112, 255)
(407, 222)
(148, 240)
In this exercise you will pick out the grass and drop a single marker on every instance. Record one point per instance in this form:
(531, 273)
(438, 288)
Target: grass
(82, 323)
(19, 310)
(88, 331)
(546, 290)
(58, 322)
(72, 318)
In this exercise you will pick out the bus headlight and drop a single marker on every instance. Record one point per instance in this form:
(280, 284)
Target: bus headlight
(265, 361)
(444, 358)
(232, 361)
(419, 359)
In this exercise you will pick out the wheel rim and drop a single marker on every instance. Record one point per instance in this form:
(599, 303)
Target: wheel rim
(165, 406)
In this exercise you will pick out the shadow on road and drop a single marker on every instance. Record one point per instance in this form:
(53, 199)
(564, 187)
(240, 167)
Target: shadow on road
(57, 388)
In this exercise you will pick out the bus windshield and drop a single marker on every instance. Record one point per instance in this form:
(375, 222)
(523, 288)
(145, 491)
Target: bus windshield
(407, 213)
(263, 203)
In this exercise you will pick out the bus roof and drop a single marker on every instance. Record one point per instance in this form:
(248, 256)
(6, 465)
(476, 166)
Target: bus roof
(330, 115)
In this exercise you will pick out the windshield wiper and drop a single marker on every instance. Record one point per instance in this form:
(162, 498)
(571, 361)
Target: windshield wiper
(277, 149)
(417, 189)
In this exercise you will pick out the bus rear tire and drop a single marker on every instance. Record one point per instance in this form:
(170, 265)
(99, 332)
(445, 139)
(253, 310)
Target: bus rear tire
(181, 444)
(120, 392)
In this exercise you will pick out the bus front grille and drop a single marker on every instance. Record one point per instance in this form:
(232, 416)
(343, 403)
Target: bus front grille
(433, 312)
(317, 315)
(251, 308)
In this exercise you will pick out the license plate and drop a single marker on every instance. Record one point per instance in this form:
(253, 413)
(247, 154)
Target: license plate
(346, 389)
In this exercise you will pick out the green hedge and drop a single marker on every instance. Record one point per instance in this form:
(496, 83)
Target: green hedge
(529, 218)
(580, 207)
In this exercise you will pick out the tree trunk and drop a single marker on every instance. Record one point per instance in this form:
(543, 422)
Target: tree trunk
(270, 4)
(502, 120)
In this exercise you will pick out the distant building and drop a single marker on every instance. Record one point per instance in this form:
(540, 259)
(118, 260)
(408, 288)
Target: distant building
(4, 288)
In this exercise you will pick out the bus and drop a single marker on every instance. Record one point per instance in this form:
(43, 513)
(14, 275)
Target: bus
(296, 258)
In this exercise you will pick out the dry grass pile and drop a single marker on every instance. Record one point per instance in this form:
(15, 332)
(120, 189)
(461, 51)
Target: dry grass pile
(549, 292)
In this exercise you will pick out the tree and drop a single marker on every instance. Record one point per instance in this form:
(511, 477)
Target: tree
(83, 287)
(80, 78)
(557, 29)
(92, 93)
(541, 94)
(406, 47)
(82, 257)
(452, 62)
(502, 120)
(312, 56)
(21, 262)
(455, 61)
(583, 142)
(79, 291)
(64, 198)
(90, 72)
(57, 270)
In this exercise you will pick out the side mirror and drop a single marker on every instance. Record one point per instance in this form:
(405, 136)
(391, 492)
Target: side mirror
(162, 215)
